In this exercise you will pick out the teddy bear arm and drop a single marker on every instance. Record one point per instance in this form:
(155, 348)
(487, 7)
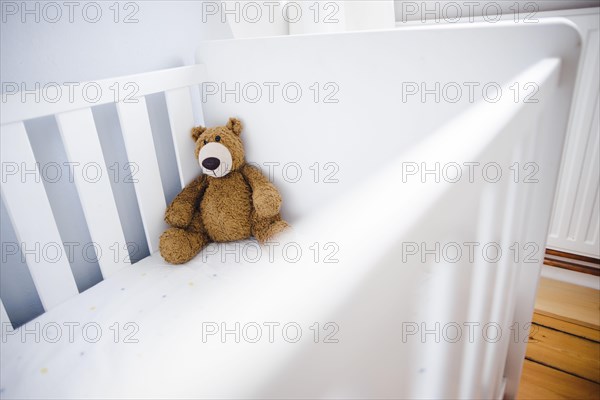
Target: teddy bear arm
(265, 197)
(181, 210)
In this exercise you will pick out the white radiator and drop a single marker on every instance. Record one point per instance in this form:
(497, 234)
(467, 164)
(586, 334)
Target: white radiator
(575, 226)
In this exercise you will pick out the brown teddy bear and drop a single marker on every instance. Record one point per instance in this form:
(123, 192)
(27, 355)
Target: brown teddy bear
(230, 201)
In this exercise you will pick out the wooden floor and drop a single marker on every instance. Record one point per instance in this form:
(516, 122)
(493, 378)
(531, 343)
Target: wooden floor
(563, 353)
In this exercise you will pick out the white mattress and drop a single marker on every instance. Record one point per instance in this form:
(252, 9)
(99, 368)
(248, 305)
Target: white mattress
(157, 349)
(160, 307)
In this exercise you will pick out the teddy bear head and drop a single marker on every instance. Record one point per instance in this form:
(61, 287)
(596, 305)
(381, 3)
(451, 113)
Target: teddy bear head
(219, 150)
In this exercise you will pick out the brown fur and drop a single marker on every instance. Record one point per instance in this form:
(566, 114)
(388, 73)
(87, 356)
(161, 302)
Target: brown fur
(241, 204)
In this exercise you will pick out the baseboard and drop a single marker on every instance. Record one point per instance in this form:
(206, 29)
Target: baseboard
(573, 262)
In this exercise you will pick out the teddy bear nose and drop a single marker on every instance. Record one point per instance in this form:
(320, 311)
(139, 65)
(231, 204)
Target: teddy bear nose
(211, 163)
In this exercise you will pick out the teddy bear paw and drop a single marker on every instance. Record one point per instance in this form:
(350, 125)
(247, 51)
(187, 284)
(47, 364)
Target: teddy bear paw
(267, 203)
(178, 246)
(179, 215)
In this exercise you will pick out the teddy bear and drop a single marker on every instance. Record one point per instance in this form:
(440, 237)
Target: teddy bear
(231, 200)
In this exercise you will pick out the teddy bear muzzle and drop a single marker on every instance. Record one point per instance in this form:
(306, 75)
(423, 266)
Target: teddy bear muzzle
(215, 160)
(211, 163)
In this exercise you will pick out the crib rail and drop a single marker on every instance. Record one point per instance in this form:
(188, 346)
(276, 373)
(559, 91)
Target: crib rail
(26, 199)
(139, 85)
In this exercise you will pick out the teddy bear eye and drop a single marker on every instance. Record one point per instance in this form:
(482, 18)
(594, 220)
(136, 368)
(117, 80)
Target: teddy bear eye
(218, 138)
(205, 141)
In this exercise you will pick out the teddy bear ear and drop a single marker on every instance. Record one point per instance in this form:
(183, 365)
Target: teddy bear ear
(197, 131)
(235, 125)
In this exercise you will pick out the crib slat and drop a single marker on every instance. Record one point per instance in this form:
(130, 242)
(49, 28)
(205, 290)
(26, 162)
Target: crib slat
(139, 144)
(82, 146)
(3, 316)
(32, 219)
(181, 117)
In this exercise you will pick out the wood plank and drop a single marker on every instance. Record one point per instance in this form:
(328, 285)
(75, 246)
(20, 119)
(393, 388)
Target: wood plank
(572, 256)
(572, 303)
(31, 216)
(541, 382)
(80, 138)
(572, 266)
(572, 354)
(137, 135)
(565, 326)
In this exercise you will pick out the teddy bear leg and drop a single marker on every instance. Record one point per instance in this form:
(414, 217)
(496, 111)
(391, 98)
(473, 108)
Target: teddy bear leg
(178, 246)
(264, 229)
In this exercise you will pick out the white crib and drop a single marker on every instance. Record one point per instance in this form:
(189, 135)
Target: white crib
(356, 301)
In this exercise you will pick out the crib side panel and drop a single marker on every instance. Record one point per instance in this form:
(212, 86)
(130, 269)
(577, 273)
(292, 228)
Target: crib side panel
(28, 204)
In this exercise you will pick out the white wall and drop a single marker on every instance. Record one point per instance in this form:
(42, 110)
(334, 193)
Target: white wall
(282, 17)
(35, 49)
(165, 35)
(432, 11)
